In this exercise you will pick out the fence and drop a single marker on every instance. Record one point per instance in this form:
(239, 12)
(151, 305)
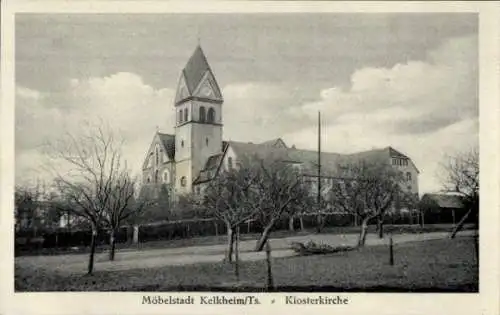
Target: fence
(182, 229)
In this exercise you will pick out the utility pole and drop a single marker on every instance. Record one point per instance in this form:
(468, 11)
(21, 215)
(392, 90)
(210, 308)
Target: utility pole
(319, 218)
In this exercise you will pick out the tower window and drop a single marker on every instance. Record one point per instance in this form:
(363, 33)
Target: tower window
(186, 113)
(206, 141)
(211, 115)
(230, 163)
(180, 116)
(156, 176)
(182, 143)
(166, 177)
(202, 114)
(183, 181)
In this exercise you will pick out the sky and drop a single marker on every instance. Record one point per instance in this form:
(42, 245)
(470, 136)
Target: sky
(409, 81)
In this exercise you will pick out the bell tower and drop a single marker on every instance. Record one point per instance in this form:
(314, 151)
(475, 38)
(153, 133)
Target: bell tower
(198, 129)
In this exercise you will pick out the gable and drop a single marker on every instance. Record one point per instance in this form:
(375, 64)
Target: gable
(208, 88)
(276, 143)
(182, 90)
(166, 143)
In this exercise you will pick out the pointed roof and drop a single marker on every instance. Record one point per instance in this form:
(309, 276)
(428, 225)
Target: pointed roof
(195, 68)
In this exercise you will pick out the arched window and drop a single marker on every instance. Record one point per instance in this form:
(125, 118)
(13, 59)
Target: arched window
(149, 180)
(182, 143)
(202, 114)
(166, 177)
(156, 176)
(408, 176)
(179, 119)
(157, 155)
(206, 141)
(211, 115)
(230, 163)
(183, 181)
(186, 113)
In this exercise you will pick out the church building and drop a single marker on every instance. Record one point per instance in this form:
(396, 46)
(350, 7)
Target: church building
(186, 160)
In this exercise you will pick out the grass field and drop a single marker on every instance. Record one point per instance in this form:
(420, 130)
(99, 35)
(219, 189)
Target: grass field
(430, 266)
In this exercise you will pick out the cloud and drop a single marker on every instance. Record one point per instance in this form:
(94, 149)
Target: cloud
(418, 96)
(128, 105)
(253, 111)
(423, 108)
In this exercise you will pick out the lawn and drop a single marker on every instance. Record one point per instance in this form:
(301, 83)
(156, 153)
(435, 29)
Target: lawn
(430, 266)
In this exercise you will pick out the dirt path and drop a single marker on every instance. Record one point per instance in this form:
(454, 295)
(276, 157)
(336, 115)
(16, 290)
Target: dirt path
(205, 254)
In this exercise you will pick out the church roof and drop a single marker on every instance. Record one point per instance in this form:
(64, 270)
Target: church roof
(168, 141)
(278, 142)
(195, 68)
(308, 159)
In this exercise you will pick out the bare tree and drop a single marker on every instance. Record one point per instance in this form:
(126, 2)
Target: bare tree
(87, 171)
(460, 174)
(281, 192)
(368, 192)
(233, 199)
(120, 206)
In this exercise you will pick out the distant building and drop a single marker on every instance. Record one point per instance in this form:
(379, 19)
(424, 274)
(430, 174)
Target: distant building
(443, 208)
(195, 153)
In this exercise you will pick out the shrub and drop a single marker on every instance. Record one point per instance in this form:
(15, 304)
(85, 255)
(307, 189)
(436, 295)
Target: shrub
(312, 248)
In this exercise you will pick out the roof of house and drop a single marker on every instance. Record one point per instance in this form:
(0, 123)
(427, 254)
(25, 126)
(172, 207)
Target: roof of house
(446, 201)
(168, 141)
(277, 149)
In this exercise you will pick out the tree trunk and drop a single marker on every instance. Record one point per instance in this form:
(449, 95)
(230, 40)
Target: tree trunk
(460, 224)
(380, 227)
(112, 245)
(93, 243)
(230, 242)
(270, 281)
(362, 235)
(319, 223)
(263, 238)
(236, 254)
(301, 219)
(290, 223)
